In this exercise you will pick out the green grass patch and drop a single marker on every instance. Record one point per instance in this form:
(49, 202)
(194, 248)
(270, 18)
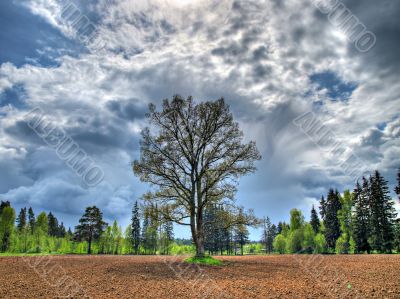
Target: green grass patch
(207, 261)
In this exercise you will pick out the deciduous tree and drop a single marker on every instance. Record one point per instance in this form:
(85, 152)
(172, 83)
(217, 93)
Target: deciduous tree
(192, 156)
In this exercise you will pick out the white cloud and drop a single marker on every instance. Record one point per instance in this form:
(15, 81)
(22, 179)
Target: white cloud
(259, 59)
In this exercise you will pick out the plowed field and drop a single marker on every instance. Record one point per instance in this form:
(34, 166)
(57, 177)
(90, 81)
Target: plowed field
(286, 276)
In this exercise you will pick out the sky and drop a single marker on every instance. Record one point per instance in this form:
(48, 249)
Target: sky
(273, 61)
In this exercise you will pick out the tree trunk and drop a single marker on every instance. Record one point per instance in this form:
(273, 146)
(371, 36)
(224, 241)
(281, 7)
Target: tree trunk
(90, 246)
(200, 248)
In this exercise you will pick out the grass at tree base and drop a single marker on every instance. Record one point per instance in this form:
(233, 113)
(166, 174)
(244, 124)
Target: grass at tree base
(206, 260)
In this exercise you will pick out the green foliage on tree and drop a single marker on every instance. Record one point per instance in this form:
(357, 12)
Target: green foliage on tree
(308, 244)
(241, 234)
(383, 215)
(135, 228)
(314, 221)
(192, 158)
(280, 244)
(53, 225)
(3, 205)
(268, 235)
(397, 188)
(7, 219)
(31, 219)
(331, 221)
(90, 227)
(345, 219)
(361, 217)
(320, 243)
(21, 220)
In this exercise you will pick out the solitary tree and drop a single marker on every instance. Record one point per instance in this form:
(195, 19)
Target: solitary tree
(192, 157)
(135, 228)
(91, 226)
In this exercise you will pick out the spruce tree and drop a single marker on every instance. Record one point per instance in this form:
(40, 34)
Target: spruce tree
(397, 188)
(279, 228)
(135, 228)
(168, 229)
(383, 214)
(61, 232)
(21, 220)
(53, 225)
(361, 216)
(314, 221)
(332, 225)
(269, 232)
(322, 208)
(31, 220)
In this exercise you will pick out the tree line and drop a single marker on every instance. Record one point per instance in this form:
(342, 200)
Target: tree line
(147, 233)
(362, 221)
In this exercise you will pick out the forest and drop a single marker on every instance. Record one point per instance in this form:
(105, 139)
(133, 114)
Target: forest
(359, 221)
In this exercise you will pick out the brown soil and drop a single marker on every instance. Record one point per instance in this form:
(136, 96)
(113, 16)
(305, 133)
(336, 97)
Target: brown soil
(363, 276)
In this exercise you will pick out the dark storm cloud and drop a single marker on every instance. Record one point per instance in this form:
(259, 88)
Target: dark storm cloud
(127, 109)
(383, 22)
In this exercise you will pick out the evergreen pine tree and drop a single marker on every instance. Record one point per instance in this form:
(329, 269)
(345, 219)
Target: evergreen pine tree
(279, 228)
(332, 225)
(361, 217)
(383, 214)
(322, 208)
(91, 226)
(168, 229)
(53, 225)
(135, 228)
(21, 220)
(397, 188)
(314, 221)
(31, 220)
(269, 233)
(61, 231)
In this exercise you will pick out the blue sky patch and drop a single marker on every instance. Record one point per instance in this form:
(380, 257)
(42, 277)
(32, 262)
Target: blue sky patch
(26, 38)
(14, 96)
(337, 89)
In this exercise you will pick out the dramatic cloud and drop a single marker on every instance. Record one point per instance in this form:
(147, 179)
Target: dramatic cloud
(271, 60)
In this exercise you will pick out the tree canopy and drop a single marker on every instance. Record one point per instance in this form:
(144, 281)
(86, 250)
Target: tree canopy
(192, 155)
